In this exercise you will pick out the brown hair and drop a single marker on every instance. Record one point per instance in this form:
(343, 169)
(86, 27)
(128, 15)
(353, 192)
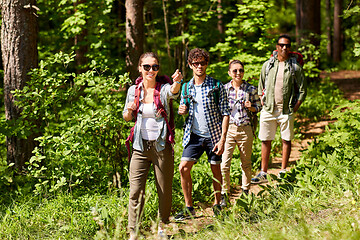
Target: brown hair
(148, 54)
(198, 53)
(235, 62)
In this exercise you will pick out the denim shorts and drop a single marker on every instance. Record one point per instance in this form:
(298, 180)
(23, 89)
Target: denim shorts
(196, 147)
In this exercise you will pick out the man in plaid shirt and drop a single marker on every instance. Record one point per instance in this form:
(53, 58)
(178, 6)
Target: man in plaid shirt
(205, 130)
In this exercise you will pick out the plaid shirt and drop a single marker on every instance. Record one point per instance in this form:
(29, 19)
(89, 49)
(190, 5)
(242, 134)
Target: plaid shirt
(213, 112)
(246, 92)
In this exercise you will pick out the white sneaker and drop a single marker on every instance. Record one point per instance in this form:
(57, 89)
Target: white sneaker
(282, 173)
(161, 234)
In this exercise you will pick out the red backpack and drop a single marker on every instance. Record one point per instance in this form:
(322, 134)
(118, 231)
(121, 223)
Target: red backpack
(160, 80)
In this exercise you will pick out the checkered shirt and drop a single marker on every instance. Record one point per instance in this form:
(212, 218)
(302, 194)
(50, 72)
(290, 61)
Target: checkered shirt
(213, 112)
(239, 101)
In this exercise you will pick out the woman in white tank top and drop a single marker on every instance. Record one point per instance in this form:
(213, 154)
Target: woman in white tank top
(149, 145)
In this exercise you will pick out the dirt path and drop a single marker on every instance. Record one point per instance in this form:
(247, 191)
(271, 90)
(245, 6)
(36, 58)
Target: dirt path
(348, 82)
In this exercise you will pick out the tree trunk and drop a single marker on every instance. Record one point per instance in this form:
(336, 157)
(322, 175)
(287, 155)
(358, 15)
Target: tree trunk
(328, 28)
(166, 29)
(337, 44)
(81, 46)
(308, 21)
(220, 16)
(134, 35)
(19, 53)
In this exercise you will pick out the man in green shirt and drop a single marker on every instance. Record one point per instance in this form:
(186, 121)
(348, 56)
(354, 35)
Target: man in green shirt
(282, 89)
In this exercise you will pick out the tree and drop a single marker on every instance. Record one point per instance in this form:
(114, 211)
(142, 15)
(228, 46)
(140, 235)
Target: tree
(19, 54)
(80, 44)
(308, 21)
(134, 34)
(337, 43)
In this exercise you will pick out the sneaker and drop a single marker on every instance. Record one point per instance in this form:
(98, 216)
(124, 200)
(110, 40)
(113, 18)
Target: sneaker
(216, 209)
(282, 173)
(224, 200)
(186, 213)
(260, 178)
(161, 234)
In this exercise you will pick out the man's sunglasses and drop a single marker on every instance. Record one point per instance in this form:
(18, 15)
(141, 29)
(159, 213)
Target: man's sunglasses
(282, 45)
(238, 70)
(196, 64)
(154, 67)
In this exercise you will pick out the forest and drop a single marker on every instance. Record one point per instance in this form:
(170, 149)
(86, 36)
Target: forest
(65, 69)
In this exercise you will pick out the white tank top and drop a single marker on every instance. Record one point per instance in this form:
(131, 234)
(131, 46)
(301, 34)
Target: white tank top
(149, 126)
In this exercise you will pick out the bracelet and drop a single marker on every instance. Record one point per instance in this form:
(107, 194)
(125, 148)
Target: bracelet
(179, 82)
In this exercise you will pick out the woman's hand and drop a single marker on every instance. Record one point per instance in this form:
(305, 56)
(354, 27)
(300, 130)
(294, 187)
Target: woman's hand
(128, 114)
(248, 106)
(177, 78)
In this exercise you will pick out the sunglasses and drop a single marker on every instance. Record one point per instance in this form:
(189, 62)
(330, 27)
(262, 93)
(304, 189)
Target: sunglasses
(154, 67)
(283, 45)
(238, 70)
(196, 64)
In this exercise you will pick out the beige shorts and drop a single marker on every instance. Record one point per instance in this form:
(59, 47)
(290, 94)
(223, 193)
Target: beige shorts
(269, 123)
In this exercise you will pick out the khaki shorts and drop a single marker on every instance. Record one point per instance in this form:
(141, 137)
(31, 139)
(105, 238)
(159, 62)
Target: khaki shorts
(269, 122)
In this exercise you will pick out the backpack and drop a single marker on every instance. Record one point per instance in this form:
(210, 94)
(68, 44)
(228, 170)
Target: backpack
(294, 58)
(254, 121)
(170, 123)
(188, 97)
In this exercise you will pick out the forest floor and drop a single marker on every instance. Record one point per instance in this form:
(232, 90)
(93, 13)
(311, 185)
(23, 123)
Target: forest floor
(348, 82)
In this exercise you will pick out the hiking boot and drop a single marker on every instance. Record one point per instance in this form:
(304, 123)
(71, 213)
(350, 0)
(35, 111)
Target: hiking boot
(260, 178)
(282, 173)
(245, 191)
(186, 213)
(224, 200)
(216, 209)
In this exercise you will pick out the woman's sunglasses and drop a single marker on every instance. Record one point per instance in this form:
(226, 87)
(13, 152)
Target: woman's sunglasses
(154, 67)
(236, 70)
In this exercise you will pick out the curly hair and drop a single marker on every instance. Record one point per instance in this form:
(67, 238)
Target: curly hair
(198, 53)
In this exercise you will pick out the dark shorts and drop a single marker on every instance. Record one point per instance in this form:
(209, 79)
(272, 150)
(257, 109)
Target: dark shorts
(196, 147)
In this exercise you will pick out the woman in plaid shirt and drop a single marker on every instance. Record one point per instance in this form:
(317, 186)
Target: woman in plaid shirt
(243, 98)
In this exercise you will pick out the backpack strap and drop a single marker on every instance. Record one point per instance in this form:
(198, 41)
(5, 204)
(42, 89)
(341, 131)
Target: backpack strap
(216, 91)
(130, 138)
(270, 65)
(185, 93)
(250, 114)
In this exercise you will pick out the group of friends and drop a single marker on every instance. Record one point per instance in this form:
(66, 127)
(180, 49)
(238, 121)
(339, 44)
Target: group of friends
(218, 120)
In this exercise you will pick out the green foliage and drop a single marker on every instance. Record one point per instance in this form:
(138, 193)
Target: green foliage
(311, 59)
(94, 25)
(247, 39)
(80, 130)
(333, 159)
(350, 20)
(322, 97)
